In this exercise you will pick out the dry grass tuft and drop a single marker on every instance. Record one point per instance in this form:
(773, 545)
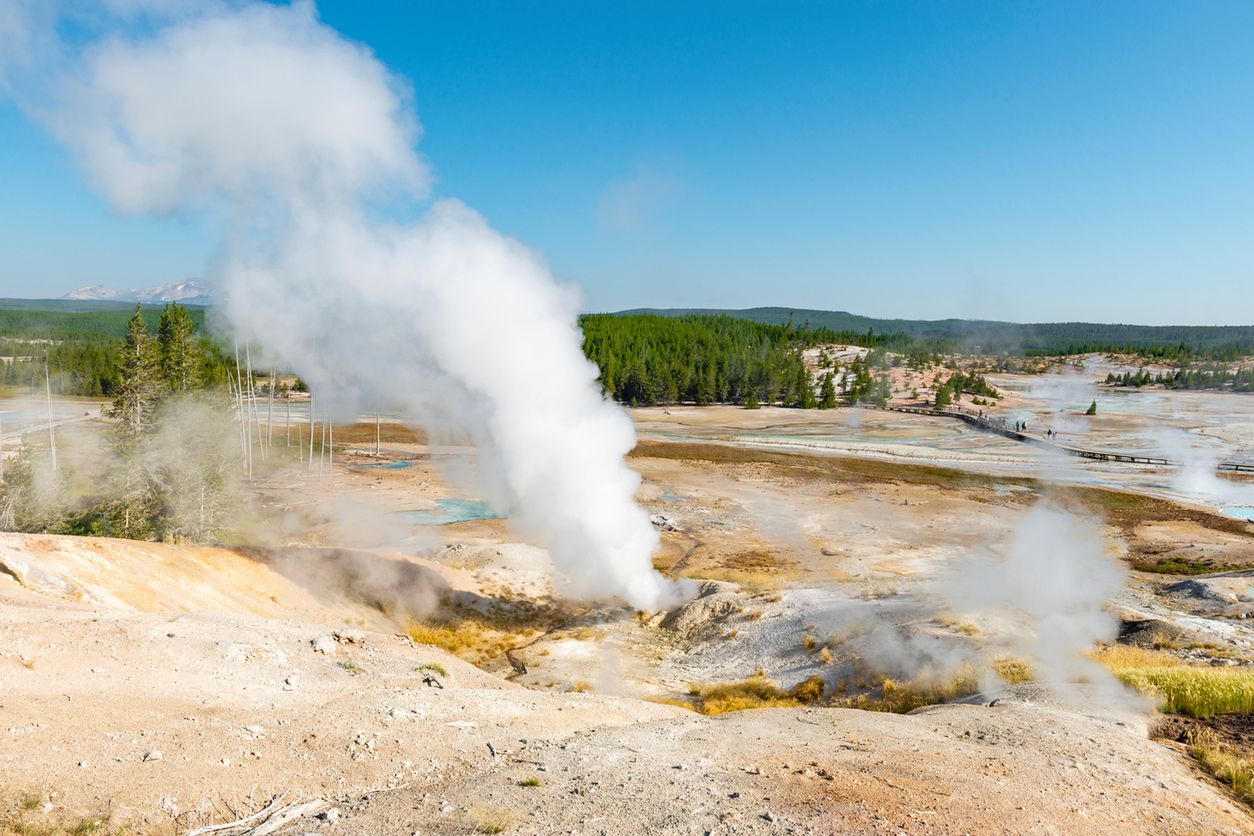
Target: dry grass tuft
(753, 571)
(965, 628)
(825, 656)
(478, 637)
(491, 820)
(678, 703)
(755, 692)
(1216, 757)
(1013, 671)
(434, 667)
(809, 691)
(901, 697)
(581, 686)
(1121, 657)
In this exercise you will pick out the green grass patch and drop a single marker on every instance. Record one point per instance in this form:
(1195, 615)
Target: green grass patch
(1194, 692)
(1179, 688)
(1177, 565)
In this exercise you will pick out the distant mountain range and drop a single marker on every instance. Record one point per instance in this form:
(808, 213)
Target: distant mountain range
(188, 292)
(1059, 337)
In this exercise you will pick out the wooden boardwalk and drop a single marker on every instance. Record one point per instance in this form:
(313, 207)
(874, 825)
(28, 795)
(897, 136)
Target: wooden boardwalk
(999, 426)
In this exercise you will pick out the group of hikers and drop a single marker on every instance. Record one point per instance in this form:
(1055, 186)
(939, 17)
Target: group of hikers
(1019, 426)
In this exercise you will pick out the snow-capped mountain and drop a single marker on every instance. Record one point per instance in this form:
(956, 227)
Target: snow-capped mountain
(189, 292)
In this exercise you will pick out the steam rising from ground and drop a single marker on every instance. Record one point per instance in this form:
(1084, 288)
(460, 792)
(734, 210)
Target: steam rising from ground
(1048, 594)
(302, 141)
(1197, 475)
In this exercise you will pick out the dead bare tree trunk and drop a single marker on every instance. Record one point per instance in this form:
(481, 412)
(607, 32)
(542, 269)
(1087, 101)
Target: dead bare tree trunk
(376, 433)
(52, 436)
(254, 414)
(311, 432)
(322, 447)
(244, 417)
(270, 412)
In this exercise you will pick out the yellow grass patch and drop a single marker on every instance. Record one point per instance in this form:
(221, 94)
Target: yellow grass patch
(900, 697)
(755, 692)
(1220, 761)
(1193, 691)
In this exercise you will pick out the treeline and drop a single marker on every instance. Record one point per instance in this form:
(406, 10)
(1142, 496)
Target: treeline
(1219, 378)
(27, 323)
(1172, 353)
(646, 359)
(83, 359)
(1167, 342)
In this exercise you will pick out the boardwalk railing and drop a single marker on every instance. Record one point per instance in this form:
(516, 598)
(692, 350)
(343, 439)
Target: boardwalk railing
(1000, 426)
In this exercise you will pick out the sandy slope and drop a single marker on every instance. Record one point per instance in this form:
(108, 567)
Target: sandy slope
(241, 706)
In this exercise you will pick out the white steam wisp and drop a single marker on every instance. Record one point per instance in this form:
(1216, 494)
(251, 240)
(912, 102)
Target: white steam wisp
(303, 140)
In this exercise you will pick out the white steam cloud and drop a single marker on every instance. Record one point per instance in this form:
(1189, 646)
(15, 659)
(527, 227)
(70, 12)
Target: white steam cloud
(304, 140)
(1049, 592)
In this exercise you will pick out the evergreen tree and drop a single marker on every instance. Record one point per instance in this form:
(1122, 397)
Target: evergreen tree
(177, 353)
(138, 381)
(635, 386)
(706, 387)
(23, 505)
(1092, 410)
(883, 391)
(750, 401)
(827, 393)
(805, 391)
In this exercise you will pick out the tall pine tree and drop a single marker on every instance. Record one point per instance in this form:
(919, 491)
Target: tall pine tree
(178, 357)
(827, 392)
(138, 383)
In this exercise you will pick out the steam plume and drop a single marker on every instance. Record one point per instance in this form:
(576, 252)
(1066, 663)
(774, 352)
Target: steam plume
(1051, 588)
(301, 140)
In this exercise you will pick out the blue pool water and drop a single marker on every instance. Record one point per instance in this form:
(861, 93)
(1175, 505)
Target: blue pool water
(451, 511)
(382, 465)
(1240, 512)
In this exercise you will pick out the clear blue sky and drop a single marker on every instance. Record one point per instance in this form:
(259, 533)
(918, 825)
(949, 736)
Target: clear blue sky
(1026, 161)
